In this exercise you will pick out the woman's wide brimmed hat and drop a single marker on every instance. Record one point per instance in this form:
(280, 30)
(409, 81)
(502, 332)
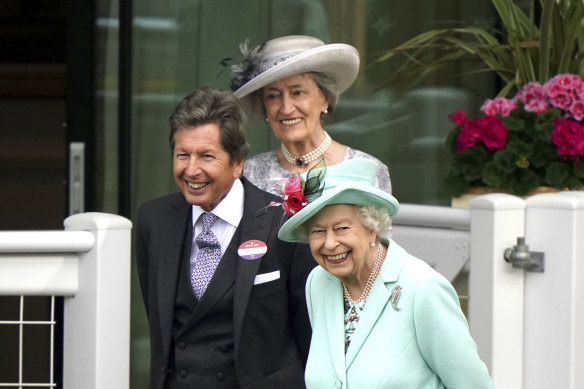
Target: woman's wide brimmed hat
(290, 55)
(350, 182)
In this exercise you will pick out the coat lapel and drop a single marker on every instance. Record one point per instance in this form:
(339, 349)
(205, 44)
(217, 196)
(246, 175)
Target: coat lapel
(334, 315)
(377, 300)
(256, 223)
(373, 307)
(173, 232)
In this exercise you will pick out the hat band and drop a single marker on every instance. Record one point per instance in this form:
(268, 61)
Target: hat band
(269, 63)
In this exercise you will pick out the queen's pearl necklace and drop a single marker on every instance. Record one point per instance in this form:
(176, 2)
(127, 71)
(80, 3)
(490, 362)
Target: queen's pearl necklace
(370, 280)
(352, 307)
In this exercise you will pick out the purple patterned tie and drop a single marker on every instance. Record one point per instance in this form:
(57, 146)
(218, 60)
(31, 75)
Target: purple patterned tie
(207, 258)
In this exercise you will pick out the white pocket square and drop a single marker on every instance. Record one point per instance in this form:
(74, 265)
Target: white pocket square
(266, 277)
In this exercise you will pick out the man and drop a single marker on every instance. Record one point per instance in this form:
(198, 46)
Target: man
(224, 297)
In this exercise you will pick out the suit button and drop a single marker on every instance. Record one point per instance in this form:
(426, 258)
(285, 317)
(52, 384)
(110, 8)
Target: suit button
(222, 348)
(164, 370)
(182, 345)
(183, 374)
(220, 376)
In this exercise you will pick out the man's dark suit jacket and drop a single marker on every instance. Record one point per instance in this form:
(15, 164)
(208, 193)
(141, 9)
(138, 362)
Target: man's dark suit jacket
(266, 317)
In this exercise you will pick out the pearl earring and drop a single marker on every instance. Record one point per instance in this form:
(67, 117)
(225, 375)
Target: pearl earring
(266, 119)
(325, 111)
(372, 244)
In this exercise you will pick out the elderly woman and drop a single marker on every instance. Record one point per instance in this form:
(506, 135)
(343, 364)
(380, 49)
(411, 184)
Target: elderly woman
(294, 81)
(401, 325)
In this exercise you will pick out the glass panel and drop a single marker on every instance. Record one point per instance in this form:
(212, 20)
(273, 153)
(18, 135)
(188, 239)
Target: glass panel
(176, 49)
(106, 105)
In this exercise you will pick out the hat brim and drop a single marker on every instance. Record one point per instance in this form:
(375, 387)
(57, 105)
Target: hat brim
(337, 60)
(341, 194)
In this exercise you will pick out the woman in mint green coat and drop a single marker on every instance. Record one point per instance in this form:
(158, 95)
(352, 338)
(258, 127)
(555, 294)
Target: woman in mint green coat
(381, 318)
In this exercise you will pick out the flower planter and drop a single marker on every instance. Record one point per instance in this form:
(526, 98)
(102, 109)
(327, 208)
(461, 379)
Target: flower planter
(464, 200)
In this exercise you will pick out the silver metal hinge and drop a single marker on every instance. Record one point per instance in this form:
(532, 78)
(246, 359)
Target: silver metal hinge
(519, 256)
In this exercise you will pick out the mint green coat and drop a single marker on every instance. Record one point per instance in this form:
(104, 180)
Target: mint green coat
(424, 345)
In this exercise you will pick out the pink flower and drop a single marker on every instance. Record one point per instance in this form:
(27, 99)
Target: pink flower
(498, 105)
(561, 100)
(293, 202)
(553, 90)
(579, 91)
(458, 117)
(494, 133)
(537, 106)
(530, 92)
(533, 96)
(568, 136)
(292, 184)
(565, 81)
(487, 129)
(292, 195)
(468, 136)
(577, 109)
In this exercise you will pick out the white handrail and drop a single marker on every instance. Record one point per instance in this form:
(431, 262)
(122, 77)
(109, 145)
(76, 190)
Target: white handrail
(89, 264)
(45, 241)
(432, 216)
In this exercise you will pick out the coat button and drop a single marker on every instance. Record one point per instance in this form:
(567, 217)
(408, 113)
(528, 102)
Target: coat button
(164, 370)
(220, 376)
(183, 374)
(182, 345)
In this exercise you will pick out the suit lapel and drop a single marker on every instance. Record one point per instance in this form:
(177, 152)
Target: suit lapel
(173, 231)
(256, 223)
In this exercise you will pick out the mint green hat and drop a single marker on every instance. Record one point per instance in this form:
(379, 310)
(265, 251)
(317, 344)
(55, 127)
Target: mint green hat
(350, 182)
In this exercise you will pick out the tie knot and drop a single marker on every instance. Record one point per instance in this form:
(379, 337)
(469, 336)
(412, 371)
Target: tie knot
(206, 238)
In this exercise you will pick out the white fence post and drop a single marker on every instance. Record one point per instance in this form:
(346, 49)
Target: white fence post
(554, 299)
(97, 318)
(495, 288)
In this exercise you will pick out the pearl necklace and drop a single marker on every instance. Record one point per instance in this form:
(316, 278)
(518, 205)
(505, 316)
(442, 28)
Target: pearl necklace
(309, 157)
(370, 280)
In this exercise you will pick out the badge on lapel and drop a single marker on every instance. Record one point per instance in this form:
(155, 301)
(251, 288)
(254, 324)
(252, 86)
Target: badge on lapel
(252, 249)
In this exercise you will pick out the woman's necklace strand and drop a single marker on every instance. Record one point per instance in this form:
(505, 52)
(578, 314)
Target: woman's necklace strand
(370, 280)
(309, 157)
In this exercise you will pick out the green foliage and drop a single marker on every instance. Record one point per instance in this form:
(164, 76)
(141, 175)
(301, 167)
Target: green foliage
(523, 50)
(313, 186)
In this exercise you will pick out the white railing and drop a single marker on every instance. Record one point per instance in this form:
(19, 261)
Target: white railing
(89, 264)
(529, 326)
